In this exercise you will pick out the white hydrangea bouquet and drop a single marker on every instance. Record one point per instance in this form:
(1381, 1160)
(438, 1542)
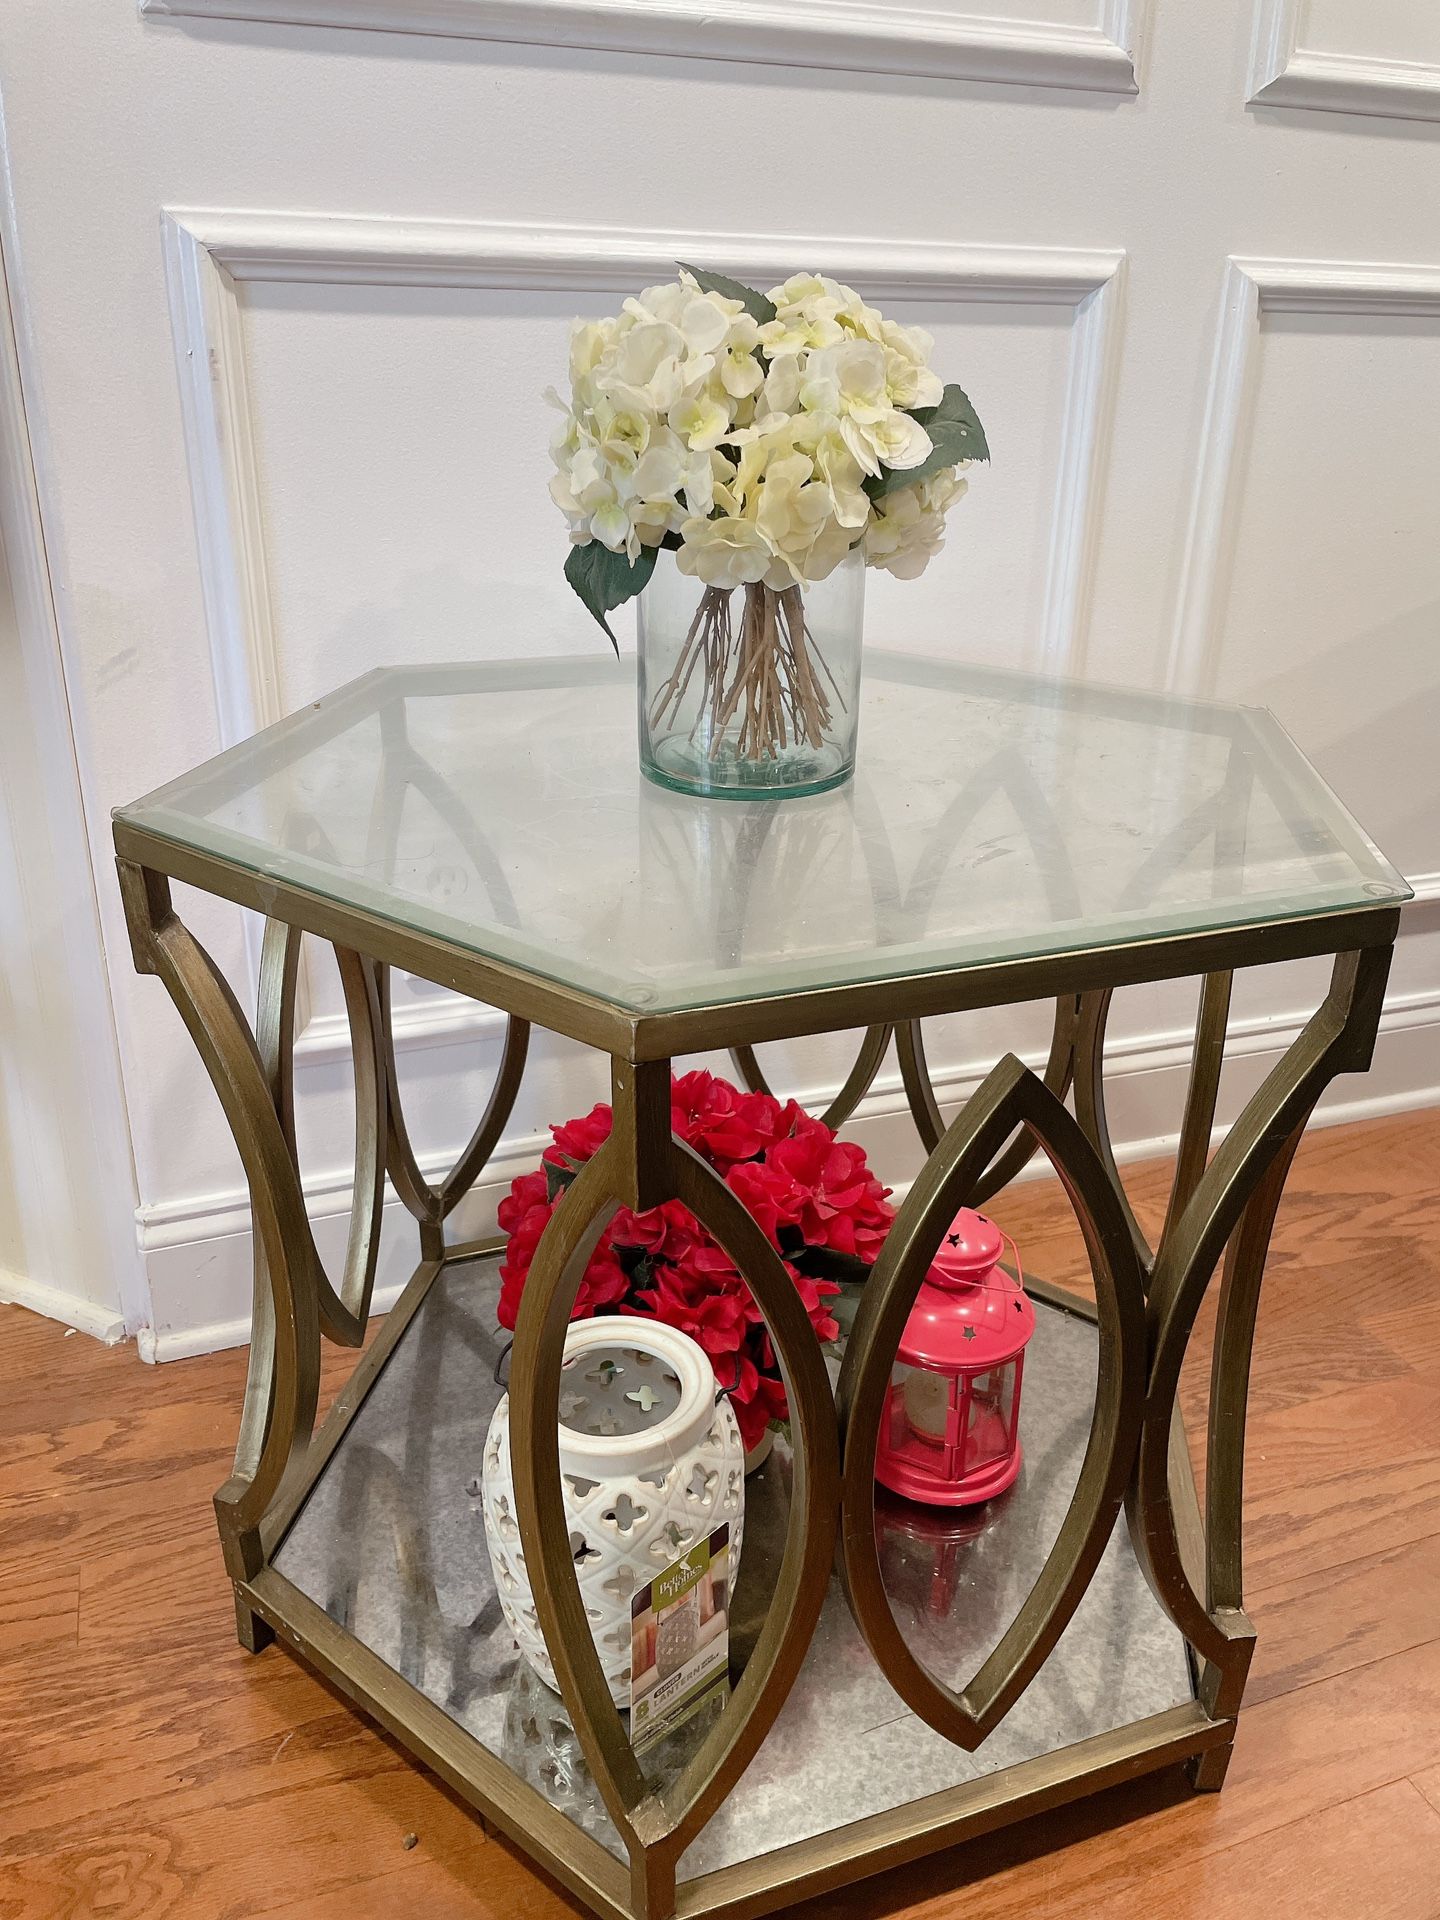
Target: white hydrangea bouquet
(764, 439)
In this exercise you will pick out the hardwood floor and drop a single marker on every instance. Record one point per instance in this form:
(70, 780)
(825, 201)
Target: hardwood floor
(149, 1768)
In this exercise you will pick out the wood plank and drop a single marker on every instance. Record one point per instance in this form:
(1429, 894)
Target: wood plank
(39, 1612)
(1381, 1860)
(233, 1860)
(1429, 1784)
(514, 1892)
(1311, 1628)
(1304, 1757)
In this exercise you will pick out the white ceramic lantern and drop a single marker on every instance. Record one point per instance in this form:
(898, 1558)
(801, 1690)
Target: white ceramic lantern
(650, 1462)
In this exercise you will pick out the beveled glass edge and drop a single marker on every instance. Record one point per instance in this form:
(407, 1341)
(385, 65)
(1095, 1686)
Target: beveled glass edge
(917, 963)
(1290, 760)
(366, 695)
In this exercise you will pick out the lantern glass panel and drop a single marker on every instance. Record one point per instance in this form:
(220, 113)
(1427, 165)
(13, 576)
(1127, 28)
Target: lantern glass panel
(920, 1405)
(991, 1418)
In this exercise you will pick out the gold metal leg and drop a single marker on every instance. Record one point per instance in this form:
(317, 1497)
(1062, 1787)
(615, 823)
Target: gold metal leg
(253, 1633)
(1232, 1206)
(280, 1403)
(1207, 1770)
(1011, 1096)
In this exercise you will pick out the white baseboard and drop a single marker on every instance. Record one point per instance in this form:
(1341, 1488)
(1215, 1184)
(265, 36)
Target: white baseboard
(86, 1316)
(198, 1251)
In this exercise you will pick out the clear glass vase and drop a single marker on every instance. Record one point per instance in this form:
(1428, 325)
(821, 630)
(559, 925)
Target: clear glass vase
(747, 693)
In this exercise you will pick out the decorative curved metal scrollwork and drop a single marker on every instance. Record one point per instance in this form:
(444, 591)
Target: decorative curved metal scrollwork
(1090, 1106)
(657, 1825)
(294, 1299)
(343, 1310)
(858, 1082)
(1232, 1206)
(282, 1397)
(1010, 1096)
(431, 1206)
(925, 1108)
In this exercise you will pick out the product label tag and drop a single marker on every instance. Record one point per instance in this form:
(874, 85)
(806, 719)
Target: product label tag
(680, 1640)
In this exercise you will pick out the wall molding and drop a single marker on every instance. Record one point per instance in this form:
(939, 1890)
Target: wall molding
(71, 1309)
(1253, 287)
(828, 34)
(211, 255)
(1285, 74)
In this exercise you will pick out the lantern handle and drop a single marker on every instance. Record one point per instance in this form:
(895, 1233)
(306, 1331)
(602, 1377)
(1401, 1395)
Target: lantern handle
(1014, 1254)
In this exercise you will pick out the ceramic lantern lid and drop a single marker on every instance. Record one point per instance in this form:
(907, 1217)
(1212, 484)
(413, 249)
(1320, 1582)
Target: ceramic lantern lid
(970, 1313)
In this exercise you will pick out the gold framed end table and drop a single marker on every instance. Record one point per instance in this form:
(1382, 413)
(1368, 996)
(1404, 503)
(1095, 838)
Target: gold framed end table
(902, 1681)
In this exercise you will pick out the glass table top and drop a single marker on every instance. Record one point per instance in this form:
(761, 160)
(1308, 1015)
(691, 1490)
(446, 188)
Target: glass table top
(993, 817)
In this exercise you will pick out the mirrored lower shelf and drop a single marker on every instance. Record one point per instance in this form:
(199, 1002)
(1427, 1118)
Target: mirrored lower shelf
(391, 1544)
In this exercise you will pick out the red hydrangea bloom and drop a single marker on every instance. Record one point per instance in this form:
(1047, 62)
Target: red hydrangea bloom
(811, 1194)
(576, 1140)
(725, 1125)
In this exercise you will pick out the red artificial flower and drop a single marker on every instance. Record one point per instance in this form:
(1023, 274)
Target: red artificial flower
(770, 1194)
(805, 1189)
(756, 1406)
(666, 1231)
(577, 1140)
(833, 1197)
(723, 1124)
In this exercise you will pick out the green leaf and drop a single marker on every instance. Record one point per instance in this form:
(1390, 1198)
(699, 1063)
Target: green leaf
(955, 407)
(827, 1263)
(605, 580)
(558, 1178)
(955, 435)
(755, 304)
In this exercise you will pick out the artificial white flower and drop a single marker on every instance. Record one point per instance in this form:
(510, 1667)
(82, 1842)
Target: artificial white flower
(701, 319)
(796, 514)
(800, 485)
(727, 552)
(645, 371)
(814, 311)
(910, 383)
(751, 441)
(741, 373)
(849, 380)
(701, 420)
(907, 527)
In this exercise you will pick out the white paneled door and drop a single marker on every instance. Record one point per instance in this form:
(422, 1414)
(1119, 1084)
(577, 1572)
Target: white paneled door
(289, 278)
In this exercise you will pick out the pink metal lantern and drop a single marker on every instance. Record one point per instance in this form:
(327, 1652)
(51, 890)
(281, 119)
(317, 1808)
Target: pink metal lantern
(950, 1435)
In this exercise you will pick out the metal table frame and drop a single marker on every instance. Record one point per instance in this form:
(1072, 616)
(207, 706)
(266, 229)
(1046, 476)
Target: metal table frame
(1222, 1208)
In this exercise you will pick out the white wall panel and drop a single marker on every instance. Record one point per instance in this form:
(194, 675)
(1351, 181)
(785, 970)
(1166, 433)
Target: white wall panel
(1349, 56)
(1374, 29)
(1334, 607)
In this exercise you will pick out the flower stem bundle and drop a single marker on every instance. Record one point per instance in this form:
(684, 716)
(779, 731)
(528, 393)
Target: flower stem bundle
(768, 671)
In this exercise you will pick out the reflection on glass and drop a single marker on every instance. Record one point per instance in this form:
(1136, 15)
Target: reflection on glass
(499, 807)
(934, 1564)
